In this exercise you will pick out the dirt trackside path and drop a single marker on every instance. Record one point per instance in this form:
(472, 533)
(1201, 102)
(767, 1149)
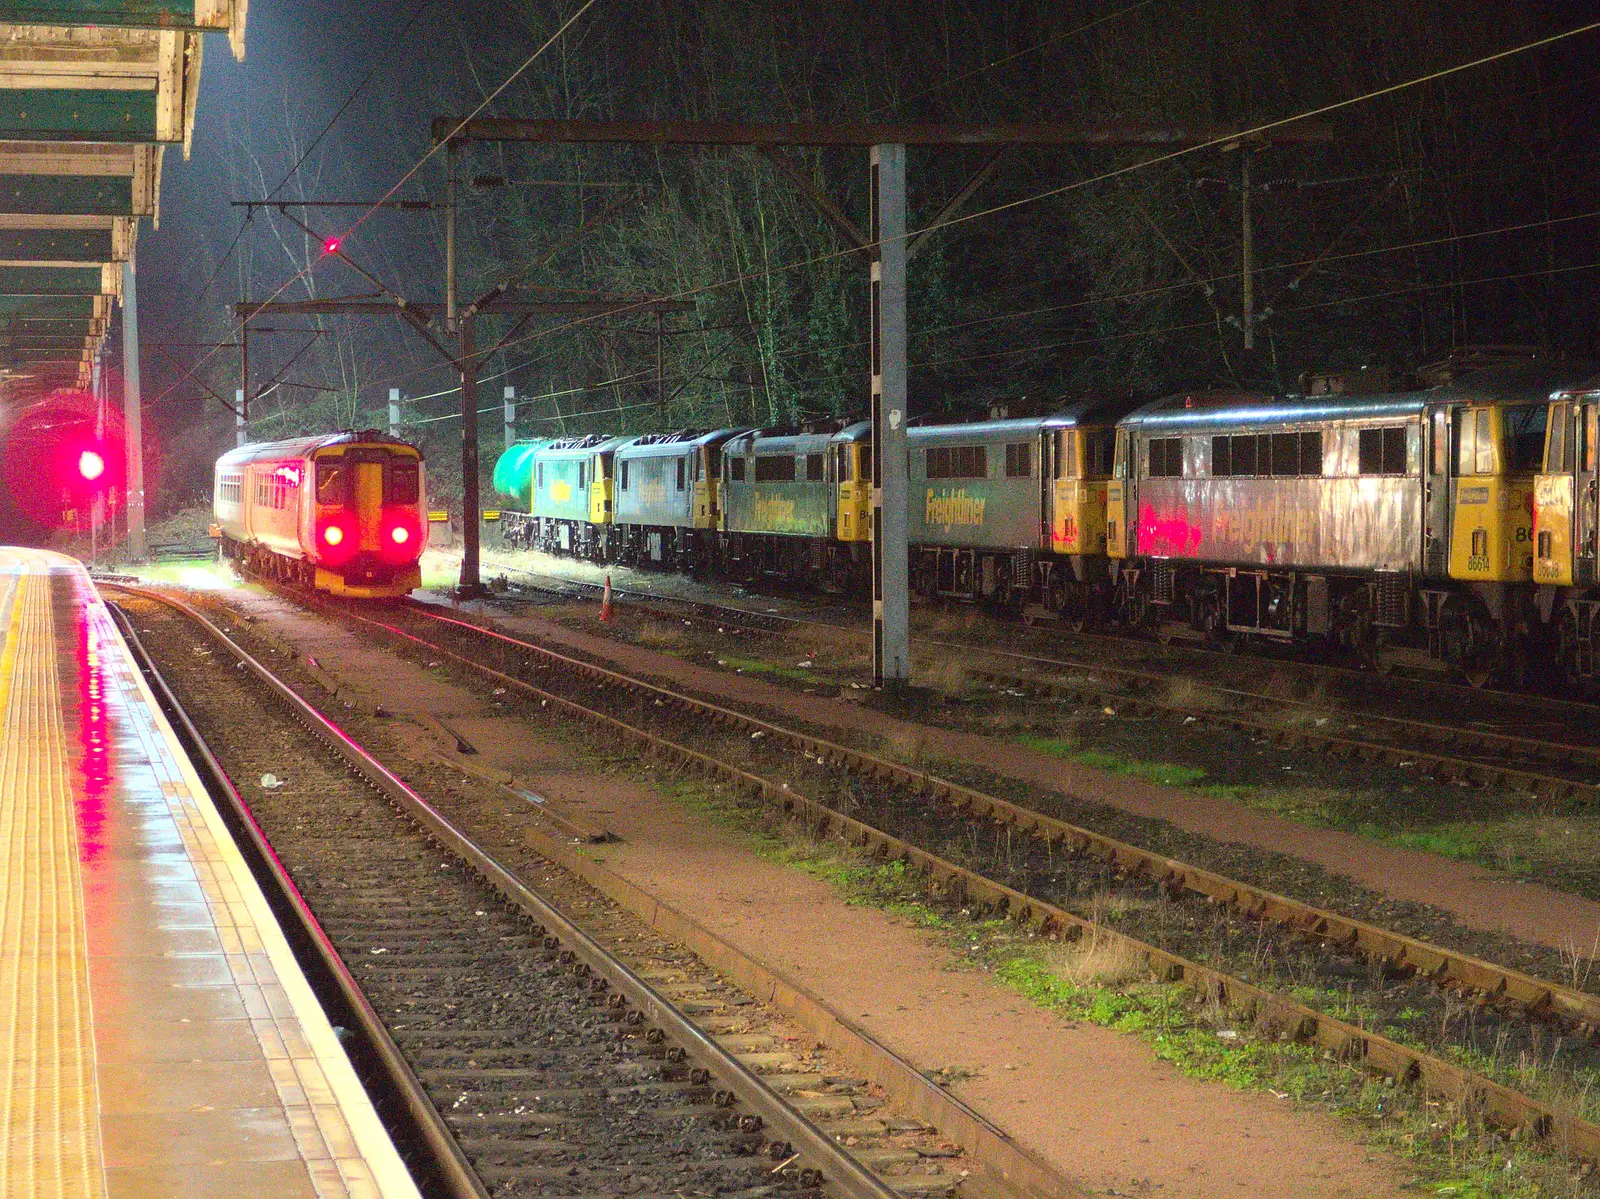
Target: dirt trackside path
(1092, 1101)
(1479, 898)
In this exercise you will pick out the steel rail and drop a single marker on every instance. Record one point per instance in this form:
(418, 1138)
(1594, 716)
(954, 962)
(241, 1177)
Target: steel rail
(1501, 1105)
(1428, 761)
(1401, 952)
(457, 1174)
(833, 1163)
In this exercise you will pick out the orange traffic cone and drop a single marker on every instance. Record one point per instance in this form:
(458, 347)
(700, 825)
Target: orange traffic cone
(605, 602)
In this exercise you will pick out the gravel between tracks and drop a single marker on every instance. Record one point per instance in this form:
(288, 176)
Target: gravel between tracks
(549, 1092)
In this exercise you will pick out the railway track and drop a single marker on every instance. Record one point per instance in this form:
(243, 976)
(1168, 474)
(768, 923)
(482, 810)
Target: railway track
(901, 813)
(546, 1041)
(1557, 766)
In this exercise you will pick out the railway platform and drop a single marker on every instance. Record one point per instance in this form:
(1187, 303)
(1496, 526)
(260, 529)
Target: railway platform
(157, 1037)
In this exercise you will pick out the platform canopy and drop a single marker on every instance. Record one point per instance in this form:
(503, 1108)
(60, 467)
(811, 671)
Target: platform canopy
(92, 92)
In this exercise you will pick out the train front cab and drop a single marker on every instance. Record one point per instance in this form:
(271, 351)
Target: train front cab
(1074, 582)
(367, 519)
(1566, 534)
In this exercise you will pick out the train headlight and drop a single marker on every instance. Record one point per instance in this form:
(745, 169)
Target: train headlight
(401, 534)
(333, 535)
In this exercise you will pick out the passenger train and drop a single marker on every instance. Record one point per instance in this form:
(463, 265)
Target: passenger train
(1451, 527)
(342, 513)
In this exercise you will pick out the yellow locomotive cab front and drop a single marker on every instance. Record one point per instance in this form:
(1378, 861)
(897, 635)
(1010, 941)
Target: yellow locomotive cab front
(1491, 526)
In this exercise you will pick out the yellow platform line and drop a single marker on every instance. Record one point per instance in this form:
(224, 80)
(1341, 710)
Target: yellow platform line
(48, 1101)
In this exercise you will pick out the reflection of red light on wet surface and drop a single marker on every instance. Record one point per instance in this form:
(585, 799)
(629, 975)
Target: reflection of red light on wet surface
(94, 732)
(1160, 534)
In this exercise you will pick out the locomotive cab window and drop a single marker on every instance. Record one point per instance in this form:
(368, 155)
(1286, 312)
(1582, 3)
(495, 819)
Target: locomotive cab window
(1383, 451)
(814, 467)
(405, 483)
(736, 468)
(1066, 463)
(1524, 426)
(330, 483)
(1098, 448)
(1560, 448)
(841, 464)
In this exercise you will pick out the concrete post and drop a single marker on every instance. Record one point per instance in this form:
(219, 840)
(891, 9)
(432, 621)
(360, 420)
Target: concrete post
(241, 418)
(394, 412)
(511, 416)
(133, 410)
(891, 602)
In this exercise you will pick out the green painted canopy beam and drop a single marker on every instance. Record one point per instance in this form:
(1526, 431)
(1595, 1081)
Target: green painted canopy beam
(81, 114)
(37, 307)
(51, 281)
(55, 245)
(127, 14)
(67, 195)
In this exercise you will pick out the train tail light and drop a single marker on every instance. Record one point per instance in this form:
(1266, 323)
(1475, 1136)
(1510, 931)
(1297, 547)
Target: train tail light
(400, 536)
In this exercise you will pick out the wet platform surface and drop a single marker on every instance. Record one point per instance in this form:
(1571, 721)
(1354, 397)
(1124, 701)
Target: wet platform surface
(156, 1035)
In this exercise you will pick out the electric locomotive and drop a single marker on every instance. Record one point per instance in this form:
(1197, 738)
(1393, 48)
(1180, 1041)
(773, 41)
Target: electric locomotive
(1397, 525)
(341, 513)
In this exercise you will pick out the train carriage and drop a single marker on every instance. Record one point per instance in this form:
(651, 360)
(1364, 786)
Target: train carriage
(573, 496)
(668, 501)
(796, 505)
(1397, 524)
(1566, 522)
(1013, 511)
(343, 513)
(513, 482)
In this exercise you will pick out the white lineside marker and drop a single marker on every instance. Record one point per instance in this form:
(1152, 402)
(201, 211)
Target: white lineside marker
(605, 602)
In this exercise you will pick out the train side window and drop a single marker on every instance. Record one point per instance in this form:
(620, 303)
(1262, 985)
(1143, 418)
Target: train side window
(1483, 457)
(1286, 454)
(539, 482)
(1019, 460)
(815, 468)
(680, 474)
(622, 476)
(841, 463)
(1383, 451)
(1311, 454)
(1589, 430)
(1221, 457)
(404, 483)
(1166, 457)
(1066, 464)
(582, 475)
(775, 468)
(736, 468)
(1242, 452)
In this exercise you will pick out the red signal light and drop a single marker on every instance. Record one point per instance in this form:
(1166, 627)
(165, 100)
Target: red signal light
(91, 466)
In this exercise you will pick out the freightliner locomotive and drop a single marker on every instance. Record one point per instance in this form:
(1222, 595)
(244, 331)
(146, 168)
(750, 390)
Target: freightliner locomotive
(1451, 527)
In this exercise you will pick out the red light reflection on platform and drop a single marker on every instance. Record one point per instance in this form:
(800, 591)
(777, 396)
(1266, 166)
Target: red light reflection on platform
(95, 761)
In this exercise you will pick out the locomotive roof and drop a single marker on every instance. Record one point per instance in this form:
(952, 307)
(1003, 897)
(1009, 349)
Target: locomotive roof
(579, 447)
(762, 442)
(661, 445)
(1519, 383)
(304, 447)
(1012, 427)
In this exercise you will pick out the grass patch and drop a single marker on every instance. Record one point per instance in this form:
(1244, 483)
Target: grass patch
(1168, 774)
